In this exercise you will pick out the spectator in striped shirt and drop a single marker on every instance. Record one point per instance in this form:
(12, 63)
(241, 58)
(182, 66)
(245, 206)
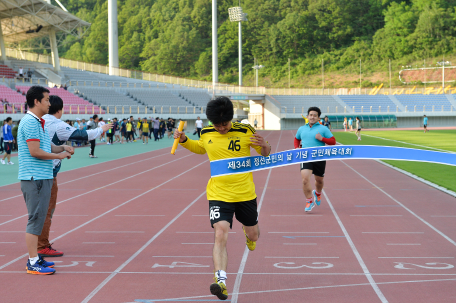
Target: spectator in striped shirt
(35, 172)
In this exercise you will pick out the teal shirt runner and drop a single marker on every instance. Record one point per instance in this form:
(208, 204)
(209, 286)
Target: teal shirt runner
(307, 135)
(31, 129)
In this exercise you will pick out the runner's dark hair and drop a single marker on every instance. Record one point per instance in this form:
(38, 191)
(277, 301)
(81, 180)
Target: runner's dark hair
(220, 110)
(314, 109)
(35, 92)
(56, 104)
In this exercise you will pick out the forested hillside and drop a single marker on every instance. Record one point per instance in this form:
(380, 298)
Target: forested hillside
(173, 37)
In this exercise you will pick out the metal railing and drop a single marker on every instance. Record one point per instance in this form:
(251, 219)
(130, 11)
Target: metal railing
(365, 109)
(164, 109)
(16, 81)
(77, 109)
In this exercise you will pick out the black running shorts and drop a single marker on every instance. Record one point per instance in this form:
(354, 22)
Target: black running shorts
(246, 212)
(8, 146)
(317, 168)
(145, 134)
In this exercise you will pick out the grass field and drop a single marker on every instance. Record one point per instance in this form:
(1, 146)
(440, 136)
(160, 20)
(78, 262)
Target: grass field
(438, 140)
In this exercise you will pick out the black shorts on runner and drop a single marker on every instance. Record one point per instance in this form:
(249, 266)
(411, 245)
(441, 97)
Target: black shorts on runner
(170, 129)
(246, 212)
(8, 146)
(145, 134)
(317, 168)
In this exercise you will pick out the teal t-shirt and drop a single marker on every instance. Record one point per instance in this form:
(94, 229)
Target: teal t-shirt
(32, 129)
(425, 120)
(307, 135)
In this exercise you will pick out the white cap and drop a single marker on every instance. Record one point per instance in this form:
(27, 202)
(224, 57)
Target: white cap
(77, 119)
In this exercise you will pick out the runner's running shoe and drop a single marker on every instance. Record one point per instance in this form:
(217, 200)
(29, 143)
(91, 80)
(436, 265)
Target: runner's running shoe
(316, 198)
(219, 289)
(250, 244)
(44, 263)
(49, 252)
(309, 206)
(39, 268)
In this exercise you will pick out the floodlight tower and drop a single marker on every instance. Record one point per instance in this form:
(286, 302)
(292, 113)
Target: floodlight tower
(113, 37)
(236, 15)
(256, 68)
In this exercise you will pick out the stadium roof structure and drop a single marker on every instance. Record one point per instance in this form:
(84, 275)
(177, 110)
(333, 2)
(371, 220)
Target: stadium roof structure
(26, 19)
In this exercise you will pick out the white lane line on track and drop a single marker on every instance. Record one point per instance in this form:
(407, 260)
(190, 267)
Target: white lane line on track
(139, 215)
(403, 244)
(91, 191)
(426, 147)
(299, 243)
(101, 172)
(114, 232)
(393, 232)
(406, 208)
(356, 253)
(16, 231)
(308, 216)
(441, 188)
(375, 215)
(200, 232)
(298, 232)
(301, 257)
(112, 275)
(237, 282)
(86, 256)
(112, 209)
(181, 256)
(198, 243)
(298, 289)
(70, 215)
(98, 242)
(416, 257)
(251, 274)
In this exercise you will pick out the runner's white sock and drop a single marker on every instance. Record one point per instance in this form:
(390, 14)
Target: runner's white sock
(221, 276)
(33, 260)
(309, 200)
(318, 194)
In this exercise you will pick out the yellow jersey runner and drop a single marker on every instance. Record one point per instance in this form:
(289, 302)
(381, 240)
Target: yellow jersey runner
(235, 143)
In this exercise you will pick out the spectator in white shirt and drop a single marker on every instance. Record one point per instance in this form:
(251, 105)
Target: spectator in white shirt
(199, 126)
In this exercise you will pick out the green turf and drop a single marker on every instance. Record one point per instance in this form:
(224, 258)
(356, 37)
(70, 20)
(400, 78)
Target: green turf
(9, 173)
(443, 175)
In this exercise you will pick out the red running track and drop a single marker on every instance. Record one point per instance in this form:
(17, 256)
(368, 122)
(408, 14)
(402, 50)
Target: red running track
(141, 233)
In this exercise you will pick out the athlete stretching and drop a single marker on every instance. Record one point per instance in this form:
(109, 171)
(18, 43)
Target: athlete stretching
(228, 195)
(311, 135)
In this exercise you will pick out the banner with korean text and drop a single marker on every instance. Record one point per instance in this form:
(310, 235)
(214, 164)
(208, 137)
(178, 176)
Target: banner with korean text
(325, 153)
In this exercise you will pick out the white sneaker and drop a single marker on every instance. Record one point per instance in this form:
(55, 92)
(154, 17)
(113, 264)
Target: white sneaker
(10, 163)
(109, 143)
(3, 162)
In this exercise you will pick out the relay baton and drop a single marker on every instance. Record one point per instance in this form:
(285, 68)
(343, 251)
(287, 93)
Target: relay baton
(176, 141)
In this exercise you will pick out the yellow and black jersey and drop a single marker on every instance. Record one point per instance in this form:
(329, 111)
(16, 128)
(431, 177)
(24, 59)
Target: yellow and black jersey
(235, 143)
(145, 127)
